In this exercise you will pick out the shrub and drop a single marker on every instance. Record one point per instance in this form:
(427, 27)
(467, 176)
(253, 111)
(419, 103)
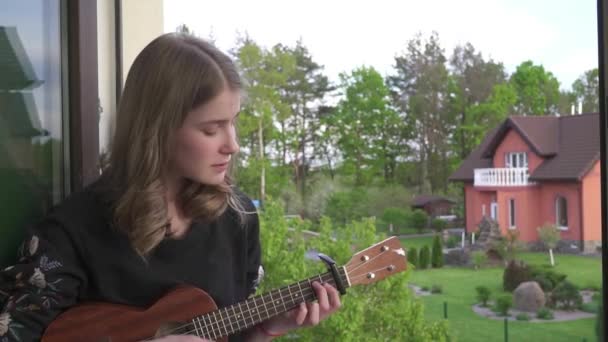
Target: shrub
(515, 274)
(438, 224)
(425, 288)
(544, 313)
(479, 259)
(503, 304)
(591, 307)
(425, 255)
(436, 288)
(522, 317)
(546, 278)
(566, 295)
(483, 294)
(437, 254)
(395, 216)
(412, 256)
(419, 219)
(452, 242)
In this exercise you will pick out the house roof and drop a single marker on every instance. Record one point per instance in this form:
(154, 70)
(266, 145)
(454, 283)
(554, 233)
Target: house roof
(15, 66)
(19, 115)
(569, 145)
(422, 200)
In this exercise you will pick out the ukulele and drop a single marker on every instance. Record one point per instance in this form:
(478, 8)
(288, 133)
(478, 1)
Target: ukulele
(188, 310)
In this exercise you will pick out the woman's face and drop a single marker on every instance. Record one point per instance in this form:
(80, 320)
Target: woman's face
(206, 140)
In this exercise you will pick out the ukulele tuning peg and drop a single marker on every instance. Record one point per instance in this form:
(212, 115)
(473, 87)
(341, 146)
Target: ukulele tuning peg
(364, 258)
(384, 248)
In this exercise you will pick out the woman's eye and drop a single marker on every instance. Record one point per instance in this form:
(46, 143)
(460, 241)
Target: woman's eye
(209, 131)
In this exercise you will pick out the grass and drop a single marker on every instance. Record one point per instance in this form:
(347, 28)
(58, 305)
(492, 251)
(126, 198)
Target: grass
(459, 292)
(417, 242)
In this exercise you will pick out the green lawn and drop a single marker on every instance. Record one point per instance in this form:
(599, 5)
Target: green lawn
(417, 242)
(459, 292)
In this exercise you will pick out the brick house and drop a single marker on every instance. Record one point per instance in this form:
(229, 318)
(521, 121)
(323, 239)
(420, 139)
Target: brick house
(533, 170)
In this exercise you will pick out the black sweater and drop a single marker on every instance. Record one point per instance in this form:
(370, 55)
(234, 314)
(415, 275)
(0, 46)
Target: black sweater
(74, 255)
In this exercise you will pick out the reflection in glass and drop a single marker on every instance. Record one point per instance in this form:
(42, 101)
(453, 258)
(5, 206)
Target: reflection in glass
(30, 117)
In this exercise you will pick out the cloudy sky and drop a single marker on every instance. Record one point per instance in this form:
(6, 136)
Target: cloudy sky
(342, 35)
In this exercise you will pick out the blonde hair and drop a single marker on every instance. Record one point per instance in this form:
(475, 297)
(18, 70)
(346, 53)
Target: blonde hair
(172, 75)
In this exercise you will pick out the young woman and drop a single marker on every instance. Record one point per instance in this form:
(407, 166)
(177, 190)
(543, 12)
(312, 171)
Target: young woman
(164, 211)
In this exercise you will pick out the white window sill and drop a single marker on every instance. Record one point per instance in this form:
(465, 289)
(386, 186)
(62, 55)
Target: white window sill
(562, 228)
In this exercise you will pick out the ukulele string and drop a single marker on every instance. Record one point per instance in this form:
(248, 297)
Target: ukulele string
(365, 262)
(306, 292)
(355, 277)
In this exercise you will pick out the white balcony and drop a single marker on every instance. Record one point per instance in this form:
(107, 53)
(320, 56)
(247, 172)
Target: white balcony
(513, 176)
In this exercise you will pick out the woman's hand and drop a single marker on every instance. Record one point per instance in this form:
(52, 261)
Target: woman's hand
(307, 314)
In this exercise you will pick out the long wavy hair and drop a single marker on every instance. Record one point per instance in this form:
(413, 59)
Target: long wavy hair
(172, 75)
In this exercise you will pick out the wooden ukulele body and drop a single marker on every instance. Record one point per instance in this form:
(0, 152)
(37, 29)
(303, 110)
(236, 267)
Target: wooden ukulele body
(121, 323)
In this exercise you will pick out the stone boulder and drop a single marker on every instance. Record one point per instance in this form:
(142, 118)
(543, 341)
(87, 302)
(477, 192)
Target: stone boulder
(528, 296)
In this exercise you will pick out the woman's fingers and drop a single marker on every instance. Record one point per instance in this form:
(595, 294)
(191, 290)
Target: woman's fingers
(321, 296)
(301, 314)
(334, 297)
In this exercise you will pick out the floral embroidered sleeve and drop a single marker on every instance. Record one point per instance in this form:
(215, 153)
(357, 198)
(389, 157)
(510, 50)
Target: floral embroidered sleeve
(44, 282)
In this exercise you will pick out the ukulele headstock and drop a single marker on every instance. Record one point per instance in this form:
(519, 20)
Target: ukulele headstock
(377, 262)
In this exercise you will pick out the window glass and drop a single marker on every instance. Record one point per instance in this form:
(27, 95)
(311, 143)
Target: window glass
(30, 117)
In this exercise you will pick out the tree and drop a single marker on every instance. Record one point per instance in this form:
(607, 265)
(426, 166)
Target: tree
(586, 91)
(304, 91)
(537, 90)
(265, 72)
(549, 234)
(475, 80)
(421, 91)
(437, 253)
(425, 255)
(419, 219)
(369, 136)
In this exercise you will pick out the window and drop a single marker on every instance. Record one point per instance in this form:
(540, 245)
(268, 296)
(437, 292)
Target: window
(516, 159)
(561, 212)
(512, 213)
(31, 122)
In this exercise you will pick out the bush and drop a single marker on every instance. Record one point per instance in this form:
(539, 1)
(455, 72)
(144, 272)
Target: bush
(391, 312)
(452, 242)
(503, 304)
(522, 317)
(425, 288)
(437, 254)
(515, 274)
(544, 313)
(483, 295)
(436, 289)
(412, 256)
(566, 295)
(591, 307)
(425, 255)
(546, 278)
(395, 216)
(438, 224)
(479, 259)
(419, 219)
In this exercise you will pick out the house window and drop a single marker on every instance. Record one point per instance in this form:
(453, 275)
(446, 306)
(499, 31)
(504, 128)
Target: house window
(516, 160)
(561, 212)
(512, 213)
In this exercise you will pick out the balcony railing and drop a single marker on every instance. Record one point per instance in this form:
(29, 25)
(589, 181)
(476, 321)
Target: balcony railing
(514, 176)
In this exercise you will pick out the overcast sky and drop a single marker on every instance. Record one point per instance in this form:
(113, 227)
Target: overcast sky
(342, 35)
